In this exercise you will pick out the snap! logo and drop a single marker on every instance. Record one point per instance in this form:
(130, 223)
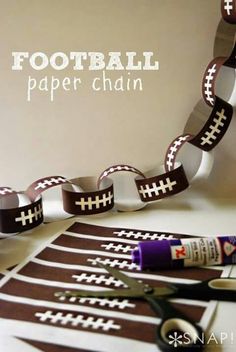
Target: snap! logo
(183, 339)
(175, 339)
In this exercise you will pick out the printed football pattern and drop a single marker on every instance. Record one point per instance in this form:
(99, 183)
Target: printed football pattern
(118, 168)
(22, 218)
(69, 262)
(41, 185)
(228, 10)
(215, 127)
(173, 150)
(6, 191)
(162, 186)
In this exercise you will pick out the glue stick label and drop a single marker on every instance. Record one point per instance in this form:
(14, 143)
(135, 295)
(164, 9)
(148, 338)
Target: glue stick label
(205, 251)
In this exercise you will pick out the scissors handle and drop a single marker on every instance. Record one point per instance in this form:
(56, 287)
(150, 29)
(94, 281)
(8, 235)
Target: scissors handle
(222, 289)
(176, 333)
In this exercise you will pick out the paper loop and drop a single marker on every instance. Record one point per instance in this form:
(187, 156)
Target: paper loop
(215, 127)
(162, 186)
(42, 184)
(224, 39)
(126, 197)
(209, 80)
(211, 73)
(90, 200)
(198, 167)
(23, 218)
(117, 168)
(5, 191)
(173, 150)
(52, 201)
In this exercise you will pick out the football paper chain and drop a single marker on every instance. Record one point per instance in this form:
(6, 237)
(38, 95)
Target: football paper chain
(83, 196)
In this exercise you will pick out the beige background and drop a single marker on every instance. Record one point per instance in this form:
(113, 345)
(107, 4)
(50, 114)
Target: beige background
(83, 132)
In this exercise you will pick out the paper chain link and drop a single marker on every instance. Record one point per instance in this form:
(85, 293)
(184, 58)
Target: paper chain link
(81, 196)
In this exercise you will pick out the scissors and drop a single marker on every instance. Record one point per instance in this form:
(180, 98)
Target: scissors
(173, 322)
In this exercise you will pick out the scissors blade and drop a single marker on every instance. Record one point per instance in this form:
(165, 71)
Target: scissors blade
(125, 293)
(127, 280)
(135, 289)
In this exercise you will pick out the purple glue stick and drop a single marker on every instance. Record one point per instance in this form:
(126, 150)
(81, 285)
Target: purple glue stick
(180, 253)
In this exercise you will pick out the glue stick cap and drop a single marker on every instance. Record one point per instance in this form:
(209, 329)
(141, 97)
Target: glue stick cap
(153, 255)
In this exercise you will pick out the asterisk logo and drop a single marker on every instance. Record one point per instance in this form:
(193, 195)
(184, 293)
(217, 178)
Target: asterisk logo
(175, 339)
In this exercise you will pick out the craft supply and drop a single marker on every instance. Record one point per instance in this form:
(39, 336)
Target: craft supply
(172, 321)
(69, 261)
(185, 252)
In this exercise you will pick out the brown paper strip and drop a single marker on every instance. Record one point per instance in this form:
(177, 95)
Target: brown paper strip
(173, 150)
(162, 186)
(228, 10)
(5, 191)
(91, 201)
(211, 73)
(21, 218)
(42, 184)
(118, 168)
(215, 127)
(27, 295)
